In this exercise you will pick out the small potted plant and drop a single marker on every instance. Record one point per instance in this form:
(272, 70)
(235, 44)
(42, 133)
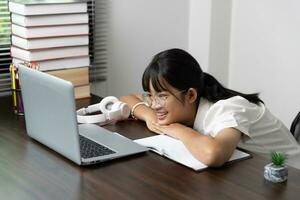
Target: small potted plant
(276, 171)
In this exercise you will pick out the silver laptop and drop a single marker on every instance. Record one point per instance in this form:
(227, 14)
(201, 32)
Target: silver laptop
(50, 115)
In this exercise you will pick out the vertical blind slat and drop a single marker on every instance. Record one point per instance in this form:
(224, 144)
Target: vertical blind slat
(98, 39)
(5, 59)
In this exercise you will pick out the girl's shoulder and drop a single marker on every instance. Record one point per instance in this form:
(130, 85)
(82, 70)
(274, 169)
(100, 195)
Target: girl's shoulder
(236, 106)
(235, 112)
(235, 100)
(230, 105)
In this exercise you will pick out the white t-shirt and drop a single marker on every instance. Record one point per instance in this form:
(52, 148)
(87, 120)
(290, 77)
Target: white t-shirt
(262, 132)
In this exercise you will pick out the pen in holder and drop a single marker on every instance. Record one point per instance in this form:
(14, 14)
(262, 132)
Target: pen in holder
(16, 87)
(16, 91)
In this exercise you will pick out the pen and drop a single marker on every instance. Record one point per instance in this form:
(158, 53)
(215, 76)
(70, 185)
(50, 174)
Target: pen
(13, 85)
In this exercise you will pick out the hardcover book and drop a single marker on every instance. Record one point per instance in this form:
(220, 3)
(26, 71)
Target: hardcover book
(49, 20)
(47, 54)
(36, 7)
(50, 31)
(82, 91)
(41, 43)
(77, 76)
(62, 63)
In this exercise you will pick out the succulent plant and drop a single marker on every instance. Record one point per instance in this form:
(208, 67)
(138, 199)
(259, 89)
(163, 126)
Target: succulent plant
(278, 159)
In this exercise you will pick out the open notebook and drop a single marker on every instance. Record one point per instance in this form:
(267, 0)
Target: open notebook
(175, 150)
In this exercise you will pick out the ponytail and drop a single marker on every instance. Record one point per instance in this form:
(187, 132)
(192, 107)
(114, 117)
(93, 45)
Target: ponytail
(213, 90)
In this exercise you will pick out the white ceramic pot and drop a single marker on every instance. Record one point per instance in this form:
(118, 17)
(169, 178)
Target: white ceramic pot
(276, 174)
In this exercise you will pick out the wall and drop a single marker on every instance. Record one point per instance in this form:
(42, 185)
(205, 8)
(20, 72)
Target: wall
(220, 40)
(209, 36)
(264, 53)
(249, 45)
(139, 29)
(199, 31)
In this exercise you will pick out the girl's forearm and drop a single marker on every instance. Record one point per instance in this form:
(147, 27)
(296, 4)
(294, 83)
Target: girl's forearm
(203, 148)
(141, 112)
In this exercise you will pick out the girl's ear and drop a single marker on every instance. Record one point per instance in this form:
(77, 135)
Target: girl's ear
(192, 95)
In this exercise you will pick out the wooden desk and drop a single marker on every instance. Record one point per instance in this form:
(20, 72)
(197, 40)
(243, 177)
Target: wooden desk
(29, 170)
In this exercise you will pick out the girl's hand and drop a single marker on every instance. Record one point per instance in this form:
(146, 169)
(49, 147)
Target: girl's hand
(174, 130)
(150, 121)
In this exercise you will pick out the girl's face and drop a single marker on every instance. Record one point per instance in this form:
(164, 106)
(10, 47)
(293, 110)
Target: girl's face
(173, 106)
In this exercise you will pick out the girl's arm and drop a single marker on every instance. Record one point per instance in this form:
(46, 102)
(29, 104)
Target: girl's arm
(211, 151)
(141, 112)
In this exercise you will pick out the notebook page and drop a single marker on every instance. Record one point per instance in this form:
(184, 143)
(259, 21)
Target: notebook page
(175, 150)
(171, 148)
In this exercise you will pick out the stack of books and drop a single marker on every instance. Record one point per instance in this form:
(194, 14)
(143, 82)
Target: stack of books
(55, 36)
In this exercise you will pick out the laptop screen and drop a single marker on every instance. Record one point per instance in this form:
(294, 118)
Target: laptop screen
(49, 108)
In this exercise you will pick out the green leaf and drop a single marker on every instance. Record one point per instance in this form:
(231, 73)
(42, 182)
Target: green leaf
(278, 159)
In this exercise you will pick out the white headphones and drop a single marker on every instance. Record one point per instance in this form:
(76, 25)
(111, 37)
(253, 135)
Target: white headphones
(112, 109)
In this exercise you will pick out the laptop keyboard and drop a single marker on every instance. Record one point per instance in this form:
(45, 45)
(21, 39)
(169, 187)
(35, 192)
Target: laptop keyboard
(90, 149)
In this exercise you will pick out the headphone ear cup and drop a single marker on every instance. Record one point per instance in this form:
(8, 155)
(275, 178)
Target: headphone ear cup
(106, 104)
(123, 109)
(116, 106)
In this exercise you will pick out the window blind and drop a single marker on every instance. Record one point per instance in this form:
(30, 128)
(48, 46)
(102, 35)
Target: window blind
(5, 59)
(98, 17)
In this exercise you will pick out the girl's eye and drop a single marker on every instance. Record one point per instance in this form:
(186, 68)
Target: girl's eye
(147, 95)
(162, 95)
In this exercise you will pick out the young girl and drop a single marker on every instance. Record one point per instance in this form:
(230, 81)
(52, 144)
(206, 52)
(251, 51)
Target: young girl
(186, 103)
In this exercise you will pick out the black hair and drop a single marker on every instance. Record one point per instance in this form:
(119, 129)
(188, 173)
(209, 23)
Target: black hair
(179, 69)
